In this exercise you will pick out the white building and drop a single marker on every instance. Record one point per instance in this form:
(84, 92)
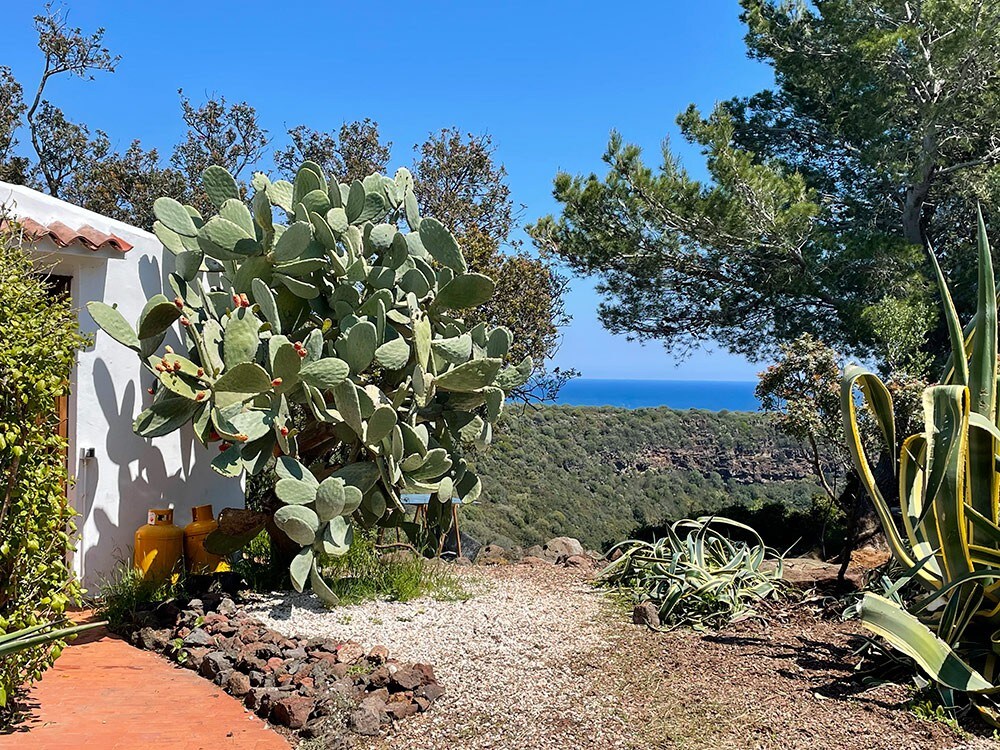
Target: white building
(118, 474)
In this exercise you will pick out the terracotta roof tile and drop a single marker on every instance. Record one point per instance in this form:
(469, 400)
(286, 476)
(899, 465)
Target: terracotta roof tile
(64, 236)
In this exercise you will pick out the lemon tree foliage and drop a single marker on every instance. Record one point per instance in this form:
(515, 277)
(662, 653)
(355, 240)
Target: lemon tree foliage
(322, 340)
(948, 485)
(38, 345)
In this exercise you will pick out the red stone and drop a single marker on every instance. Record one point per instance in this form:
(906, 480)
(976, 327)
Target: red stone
(400, 709)
(274, 664)
(349, 652)
(293, 711)
(406, 679)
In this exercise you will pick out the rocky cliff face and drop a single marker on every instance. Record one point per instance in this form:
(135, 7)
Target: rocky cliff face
(768, 464)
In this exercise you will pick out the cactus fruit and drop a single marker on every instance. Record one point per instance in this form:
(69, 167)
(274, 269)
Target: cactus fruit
(323, 302)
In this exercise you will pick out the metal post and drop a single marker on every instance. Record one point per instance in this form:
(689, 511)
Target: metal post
(458, 534)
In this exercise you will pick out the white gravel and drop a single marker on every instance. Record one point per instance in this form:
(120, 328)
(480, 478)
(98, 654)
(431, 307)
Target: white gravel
(522, 662)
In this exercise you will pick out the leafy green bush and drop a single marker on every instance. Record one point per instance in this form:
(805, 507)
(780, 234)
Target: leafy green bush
(39, 340)
(703, 579)
(792, 529)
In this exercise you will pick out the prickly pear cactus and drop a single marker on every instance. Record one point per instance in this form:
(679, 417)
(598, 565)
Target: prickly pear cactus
(339, 304)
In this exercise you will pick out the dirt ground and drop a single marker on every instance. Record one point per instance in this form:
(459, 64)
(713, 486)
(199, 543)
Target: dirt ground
(787, 685)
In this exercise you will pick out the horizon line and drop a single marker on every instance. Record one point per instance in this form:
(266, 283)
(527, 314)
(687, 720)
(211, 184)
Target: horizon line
(659, 380)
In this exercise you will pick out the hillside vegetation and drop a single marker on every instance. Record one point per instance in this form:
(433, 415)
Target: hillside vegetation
(601, 473)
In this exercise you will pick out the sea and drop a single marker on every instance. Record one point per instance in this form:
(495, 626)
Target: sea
(710, 395)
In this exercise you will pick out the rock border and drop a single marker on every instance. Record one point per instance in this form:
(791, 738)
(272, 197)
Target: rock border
(315, 687)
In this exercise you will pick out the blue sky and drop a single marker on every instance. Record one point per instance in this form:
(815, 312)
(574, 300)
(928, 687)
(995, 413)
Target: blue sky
(548, 81)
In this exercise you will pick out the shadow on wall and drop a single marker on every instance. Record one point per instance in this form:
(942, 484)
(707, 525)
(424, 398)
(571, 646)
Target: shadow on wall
(150, 473)
(150, 278)
(143, 481)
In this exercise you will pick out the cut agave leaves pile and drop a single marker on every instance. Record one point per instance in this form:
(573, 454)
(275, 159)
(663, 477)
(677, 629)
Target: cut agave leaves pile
(696, 575)
(948, 486)
(318, 334)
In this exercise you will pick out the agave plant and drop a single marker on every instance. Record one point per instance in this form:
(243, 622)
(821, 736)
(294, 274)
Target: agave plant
(321, 341)
(948, 489)
(39, 635)
(695, 574)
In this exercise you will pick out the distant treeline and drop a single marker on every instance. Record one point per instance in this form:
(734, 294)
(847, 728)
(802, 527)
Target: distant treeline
(602, 474)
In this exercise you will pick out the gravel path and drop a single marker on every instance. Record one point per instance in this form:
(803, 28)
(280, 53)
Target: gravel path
(521, 661)
(539, 660)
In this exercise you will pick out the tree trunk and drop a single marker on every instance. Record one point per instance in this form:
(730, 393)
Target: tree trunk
(914, 230)
(283, 549)
(914, 224)
(863, 523)
(852, 501)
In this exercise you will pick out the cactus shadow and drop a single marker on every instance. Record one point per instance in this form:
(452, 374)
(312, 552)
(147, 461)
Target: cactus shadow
(281, 604)
(152, 277)
(143, 480)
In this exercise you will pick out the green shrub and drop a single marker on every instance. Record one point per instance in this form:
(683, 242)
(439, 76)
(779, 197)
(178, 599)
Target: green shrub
(793, 530)
(39, 340)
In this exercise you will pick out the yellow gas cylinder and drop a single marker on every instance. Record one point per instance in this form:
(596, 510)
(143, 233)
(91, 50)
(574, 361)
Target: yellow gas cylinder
(197, 558)
(159, 545)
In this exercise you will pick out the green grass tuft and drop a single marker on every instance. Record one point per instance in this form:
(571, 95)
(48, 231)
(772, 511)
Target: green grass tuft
(363, 574)
(124, 591)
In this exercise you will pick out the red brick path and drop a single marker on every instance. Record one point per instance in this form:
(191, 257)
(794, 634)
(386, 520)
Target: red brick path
(103, 694)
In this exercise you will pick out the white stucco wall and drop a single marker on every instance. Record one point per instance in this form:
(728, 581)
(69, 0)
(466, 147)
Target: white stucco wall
(128, 474)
